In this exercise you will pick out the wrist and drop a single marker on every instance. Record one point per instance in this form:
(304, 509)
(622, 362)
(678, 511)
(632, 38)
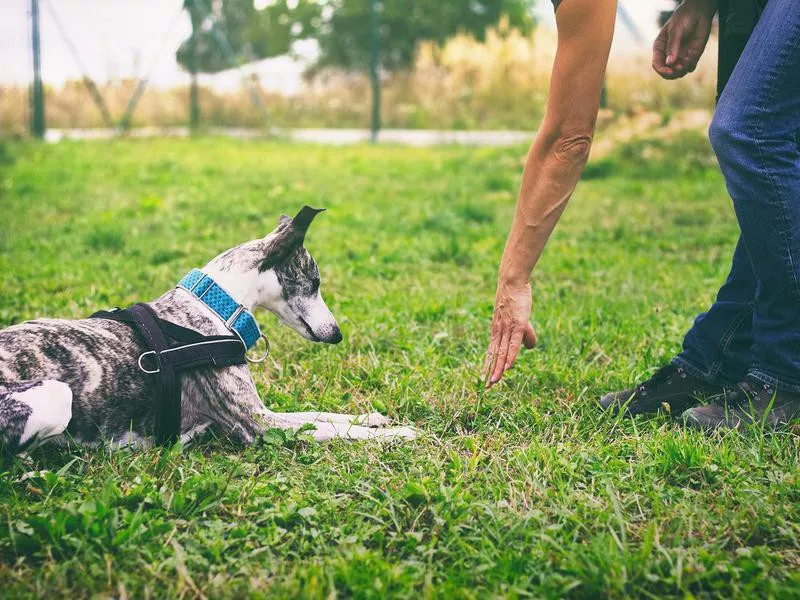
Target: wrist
(513, 280)
(709, 7)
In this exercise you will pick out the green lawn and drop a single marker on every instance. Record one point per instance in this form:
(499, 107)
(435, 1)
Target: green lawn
(526, 490)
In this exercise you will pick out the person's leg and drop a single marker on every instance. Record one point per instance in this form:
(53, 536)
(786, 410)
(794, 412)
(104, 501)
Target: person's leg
(716, 350)
(718, 346)
(755, 136)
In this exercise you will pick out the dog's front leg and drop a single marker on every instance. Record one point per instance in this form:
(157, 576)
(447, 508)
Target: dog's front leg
(328, 431)
(328, 426)
(333, 425)
(374, 419)
(231, 401)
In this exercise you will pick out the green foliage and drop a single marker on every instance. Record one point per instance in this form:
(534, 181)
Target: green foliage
(343, 28)
(524, 491)
(251, 34)
(346, 39)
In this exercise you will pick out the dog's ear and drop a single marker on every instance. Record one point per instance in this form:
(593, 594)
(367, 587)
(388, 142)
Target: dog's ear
(288, 237)
(303, 219)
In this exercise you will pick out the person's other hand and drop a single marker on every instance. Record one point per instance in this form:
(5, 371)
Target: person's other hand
(510, 329)
(683, 38)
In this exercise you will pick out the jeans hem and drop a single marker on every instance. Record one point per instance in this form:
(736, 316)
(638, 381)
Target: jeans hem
(694, 371)
(774, 381)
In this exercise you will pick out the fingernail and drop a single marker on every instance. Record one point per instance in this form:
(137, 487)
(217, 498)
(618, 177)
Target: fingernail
(670, 59)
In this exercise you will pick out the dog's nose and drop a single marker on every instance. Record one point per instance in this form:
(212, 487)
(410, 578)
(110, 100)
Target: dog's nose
(335, 336)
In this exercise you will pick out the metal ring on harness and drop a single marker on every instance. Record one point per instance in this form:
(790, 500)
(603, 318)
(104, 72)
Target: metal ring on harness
(141, 366)
(266, 352)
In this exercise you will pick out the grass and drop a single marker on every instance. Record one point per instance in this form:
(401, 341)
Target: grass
(526, 490)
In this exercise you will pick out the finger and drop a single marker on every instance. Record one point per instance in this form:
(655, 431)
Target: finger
(514, 346)
(660, 56)
(690, 60)
(490, 354)
(491, 359)
(679, 70)
(500, 361)
(529, 337)
(660, 51)
(492, 350)
(487, 376)
(674, 45)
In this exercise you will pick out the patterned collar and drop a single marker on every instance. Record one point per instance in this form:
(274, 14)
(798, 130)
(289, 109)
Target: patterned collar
(237, 318)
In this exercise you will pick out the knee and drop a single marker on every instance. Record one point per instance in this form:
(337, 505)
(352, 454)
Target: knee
(738, 134)
(725, 134)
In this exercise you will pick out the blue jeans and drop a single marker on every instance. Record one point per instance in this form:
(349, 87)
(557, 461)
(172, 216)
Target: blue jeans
(753, 328)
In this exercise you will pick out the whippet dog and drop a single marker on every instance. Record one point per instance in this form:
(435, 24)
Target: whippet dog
(84, 380)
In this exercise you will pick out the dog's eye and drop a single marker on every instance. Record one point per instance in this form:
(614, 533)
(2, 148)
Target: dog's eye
(315, 283)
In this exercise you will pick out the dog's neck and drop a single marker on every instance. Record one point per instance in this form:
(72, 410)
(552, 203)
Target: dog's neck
(237, 272)
(239, 285)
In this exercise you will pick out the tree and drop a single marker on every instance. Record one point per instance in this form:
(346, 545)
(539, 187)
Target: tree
(343, 28)
(345, 38)
(250, 34)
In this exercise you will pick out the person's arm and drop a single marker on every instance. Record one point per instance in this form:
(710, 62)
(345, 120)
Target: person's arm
(683, 39)
(554, 165)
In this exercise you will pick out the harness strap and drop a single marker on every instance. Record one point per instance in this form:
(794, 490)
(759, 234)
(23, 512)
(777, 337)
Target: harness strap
(167, 360)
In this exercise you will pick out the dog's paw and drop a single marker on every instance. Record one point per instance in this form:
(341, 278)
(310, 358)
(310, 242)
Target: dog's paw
(374, 419)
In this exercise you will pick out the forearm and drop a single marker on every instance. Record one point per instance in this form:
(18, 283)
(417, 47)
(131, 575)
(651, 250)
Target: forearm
(552, 170)
(559, 152)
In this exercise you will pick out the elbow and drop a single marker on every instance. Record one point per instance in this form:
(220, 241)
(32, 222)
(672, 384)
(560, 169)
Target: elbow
(572, 149)
(567, 144)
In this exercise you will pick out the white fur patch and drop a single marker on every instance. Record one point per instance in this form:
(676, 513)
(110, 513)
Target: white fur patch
(51, 406)
(329, 431)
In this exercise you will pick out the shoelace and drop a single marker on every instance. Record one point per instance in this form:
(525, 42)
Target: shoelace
(662, 375)
(744, 393)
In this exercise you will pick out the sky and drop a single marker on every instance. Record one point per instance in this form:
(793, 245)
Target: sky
(128, 38)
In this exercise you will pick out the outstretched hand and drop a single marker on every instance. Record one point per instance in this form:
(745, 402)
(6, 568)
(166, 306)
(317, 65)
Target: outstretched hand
(510, 330)
(681, 42)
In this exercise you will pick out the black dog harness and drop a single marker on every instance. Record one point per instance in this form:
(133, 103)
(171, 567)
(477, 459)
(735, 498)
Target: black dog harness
(173, 349)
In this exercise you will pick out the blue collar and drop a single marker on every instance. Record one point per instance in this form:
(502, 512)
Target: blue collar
(236, 317)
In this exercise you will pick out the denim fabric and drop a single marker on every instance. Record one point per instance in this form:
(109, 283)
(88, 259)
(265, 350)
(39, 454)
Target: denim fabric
(754, 325)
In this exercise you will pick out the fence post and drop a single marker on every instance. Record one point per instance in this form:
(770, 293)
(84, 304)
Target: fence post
(194, 93)
(37, 93)
(373, 72)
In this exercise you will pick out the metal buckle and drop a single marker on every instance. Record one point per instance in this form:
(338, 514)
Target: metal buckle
(232, 319)
(198, 282)
(204, 292)
(141, 366)
(262, 358)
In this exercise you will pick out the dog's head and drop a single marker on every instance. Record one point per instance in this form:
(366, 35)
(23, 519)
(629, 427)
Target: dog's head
(278, 273)
(299, 303)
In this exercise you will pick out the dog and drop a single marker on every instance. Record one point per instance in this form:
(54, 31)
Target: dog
(80, 380)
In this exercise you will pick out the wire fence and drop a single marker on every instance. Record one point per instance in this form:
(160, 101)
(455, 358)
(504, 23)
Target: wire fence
(112, 66)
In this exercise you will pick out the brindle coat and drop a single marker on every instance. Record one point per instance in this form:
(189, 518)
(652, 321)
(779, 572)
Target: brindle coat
(81, 378)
